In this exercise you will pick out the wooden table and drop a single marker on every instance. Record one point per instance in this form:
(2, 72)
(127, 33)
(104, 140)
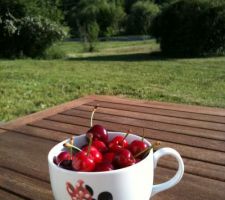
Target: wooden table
(198, 133)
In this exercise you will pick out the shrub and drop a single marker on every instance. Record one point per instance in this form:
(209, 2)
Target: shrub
(54, 52)
(89, 35)
(141, 17)
(28, 36)
(25, 29)
(191, 28)
(109, 19)
(37, 34)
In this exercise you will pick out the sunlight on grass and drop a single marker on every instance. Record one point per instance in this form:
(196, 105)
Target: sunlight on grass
(28, 86)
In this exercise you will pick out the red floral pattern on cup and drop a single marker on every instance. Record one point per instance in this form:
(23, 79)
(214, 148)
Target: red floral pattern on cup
(79, 192)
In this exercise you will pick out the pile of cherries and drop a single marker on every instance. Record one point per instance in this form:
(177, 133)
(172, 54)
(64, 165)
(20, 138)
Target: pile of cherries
(100, 154)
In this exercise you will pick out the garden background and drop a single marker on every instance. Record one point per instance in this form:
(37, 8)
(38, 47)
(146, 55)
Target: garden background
(53, 51)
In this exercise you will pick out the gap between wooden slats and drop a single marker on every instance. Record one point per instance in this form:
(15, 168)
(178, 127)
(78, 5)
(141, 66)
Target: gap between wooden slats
(217, 173)
(191, 187)
(29, 189)
(9, 195)
(158, 111)
(162, 105)
(176, 137)
(25, 153)
(212, 156)
(181, 129)
(152, 117)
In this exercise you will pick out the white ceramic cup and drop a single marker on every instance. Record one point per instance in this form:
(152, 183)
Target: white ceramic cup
(131, 183)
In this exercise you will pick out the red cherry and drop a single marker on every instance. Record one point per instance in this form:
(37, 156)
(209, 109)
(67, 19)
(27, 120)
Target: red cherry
(63, 160)
(108, 157)
(99, 133)
(83, 162)
(61, 157)
(104, 166)
(137, 146)
(101, 146)
(124, 158)
(94, 152)
(119, 142)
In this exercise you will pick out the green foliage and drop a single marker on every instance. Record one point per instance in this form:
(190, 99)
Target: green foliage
(25, 29)
(107, 14)
(164, 2)
(53, 52)
(89, 33)
(141, 17)
(191, 28)
(93, 18)
(109, 18)
(38, 33)
(20, 8)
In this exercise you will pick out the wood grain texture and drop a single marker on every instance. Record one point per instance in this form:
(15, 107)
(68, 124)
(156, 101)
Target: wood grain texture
(198, 133)
(25, 186)
(194, 165)
(161, 126)
(158, 118)
(25, 154)
(162, 105)
(8, 195)
(142, 109)
(190, 187)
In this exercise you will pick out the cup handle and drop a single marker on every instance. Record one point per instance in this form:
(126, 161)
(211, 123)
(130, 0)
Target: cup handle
(176, 179)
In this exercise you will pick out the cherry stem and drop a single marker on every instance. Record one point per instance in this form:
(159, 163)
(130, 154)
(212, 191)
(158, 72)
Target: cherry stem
(68, 145)
(144, 151)
(128, 132)
(92, 115)
(71, 149)
(155, 145)
(143, 136)
(89, 145)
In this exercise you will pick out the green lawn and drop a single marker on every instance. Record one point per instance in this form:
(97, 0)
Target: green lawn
(117, 68)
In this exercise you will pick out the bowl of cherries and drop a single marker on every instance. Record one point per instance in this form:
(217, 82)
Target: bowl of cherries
(102, 165)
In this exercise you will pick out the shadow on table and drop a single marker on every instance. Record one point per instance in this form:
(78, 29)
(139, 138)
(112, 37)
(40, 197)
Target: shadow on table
(124, 57)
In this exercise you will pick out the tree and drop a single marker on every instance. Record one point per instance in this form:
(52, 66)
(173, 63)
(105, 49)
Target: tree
(109, 18)
(25, 29)
(189, 28)
(141, 17)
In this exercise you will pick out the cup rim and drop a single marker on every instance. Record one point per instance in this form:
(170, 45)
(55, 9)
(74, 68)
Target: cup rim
(51, 156)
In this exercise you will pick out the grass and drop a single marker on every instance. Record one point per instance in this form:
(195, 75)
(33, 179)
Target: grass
(117, 68)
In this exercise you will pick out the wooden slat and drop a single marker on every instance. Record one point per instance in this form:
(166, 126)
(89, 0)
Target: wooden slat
(162, 105)
(25, 154)
(158, 111)
(63, 127)
(197, 167)
(25, 186)
(7, 195)
(2, 131)
(187, 130)
(45, 113)
(190, 187)
(198, 133)
(42, 133)
(190, 152)
(80, 126)
(193, 141)
(34, 186)
(154, 134)
(158, 118)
